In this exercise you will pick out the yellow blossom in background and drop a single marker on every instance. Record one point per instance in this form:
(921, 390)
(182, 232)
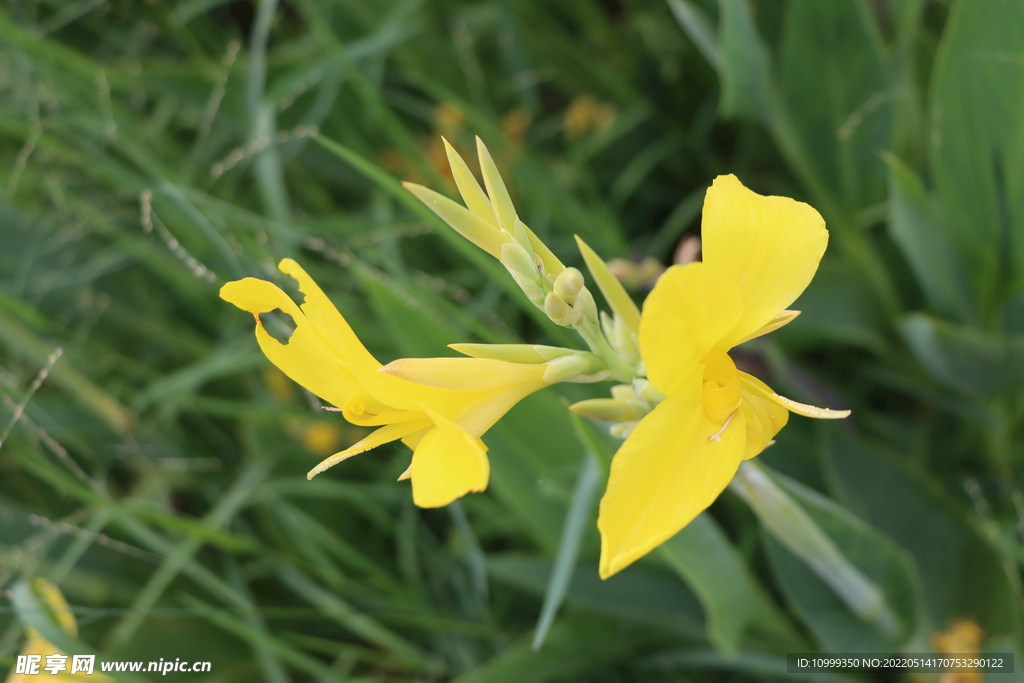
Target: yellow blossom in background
(640, 274)
(759, 255)
(439, 407)
(586, 115)
(321, 438)
(278, 384)
(962, 637)
(50, 597)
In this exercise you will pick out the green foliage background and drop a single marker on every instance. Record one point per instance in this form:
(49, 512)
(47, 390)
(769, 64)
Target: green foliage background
(150, 151)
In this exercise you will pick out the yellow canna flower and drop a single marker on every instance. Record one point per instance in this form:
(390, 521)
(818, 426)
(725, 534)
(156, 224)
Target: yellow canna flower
(439, 407)
(759, 255)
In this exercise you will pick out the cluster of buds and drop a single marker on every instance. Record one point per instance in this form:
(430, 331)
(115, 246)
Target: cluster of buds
(627, 406)
(490, 221)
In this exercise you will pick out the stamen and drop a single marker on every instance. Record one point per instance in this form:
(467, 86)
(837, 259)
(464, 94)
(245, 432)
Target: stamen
(717, 436)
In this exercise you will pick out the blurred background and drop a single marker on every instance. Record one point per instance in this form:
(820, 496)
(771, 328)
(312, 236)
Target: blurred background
(153, 462)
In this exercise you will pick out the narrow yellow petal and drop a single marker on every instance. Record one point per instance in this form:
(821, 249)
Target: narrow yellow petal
(376, 438)
(462, 220)
(448, 463)
(464, 374)
(756, 387)
(811, 411)
(769, 247)
(665, 474)
(469, 188)
(513, 353)
(616, 295)
(782, 319)
(496, 190)
(687, 314)
(306, 358)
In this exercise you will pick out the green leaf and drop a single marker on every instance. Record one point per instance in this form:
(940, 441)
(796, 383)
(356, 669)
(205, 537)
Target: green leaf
(733, 600)
(745, 64)
(881, 561)
(834, 87)
(917, 227)
(576, 521)
(977, 141)
(644, 595)
(961, 574)
(975, 363)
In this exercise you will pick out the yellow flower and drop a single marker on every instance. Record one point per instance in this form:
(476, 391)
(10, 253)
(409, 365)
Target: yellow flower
(439, 407)
(759, 255)
(43, 653)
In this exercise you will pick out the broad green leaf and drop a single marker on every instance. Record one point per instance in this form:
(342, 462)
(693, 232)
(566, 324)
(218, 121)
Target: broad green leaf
(977, 141)
(643, 595)
(573, 650)
(745, 64)
(921, 233)
(975, 363)
(733, 600)
(886, 565)
(835, 90)
(961, 574)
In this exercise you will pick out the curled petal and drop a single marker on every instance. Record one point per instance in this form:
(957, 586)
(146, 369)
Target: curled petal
(769, 247)
(665, 474)
(306, 358)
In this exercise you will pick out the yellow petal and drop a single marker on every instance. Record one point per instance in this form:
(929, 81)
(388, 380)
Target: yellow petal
(376, 438)
(469, 188)
(464, 374)
(328, 321)
(811, 411)
(756, 387)
(763, 420)
(306, 358)
(782, 319)
(686, 315)
(448, 463)
(614, 293)
(665, 474)
(768, 246)
(462, 220)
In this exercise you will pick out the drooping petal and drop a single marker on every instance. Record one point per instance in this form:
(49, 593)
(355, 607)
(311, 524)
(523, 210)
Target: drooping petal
(769, 247)
(687, 314)
(306, 358)
(378, 437)
(464, 374)
(756, 387)
(665, 474)
(448, 463)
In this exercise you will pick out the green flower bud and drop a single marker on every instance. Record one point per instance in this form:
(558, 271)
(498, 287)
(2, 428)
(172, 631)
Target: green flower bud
(559, 311)
(569, 283)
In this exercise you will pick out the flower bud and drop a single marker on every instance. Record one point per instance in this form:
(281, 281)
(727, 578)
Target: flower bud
(605, 410)
(580, 366)
(523, 269)
(647, 391)
(559, 311)
(569, 283)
